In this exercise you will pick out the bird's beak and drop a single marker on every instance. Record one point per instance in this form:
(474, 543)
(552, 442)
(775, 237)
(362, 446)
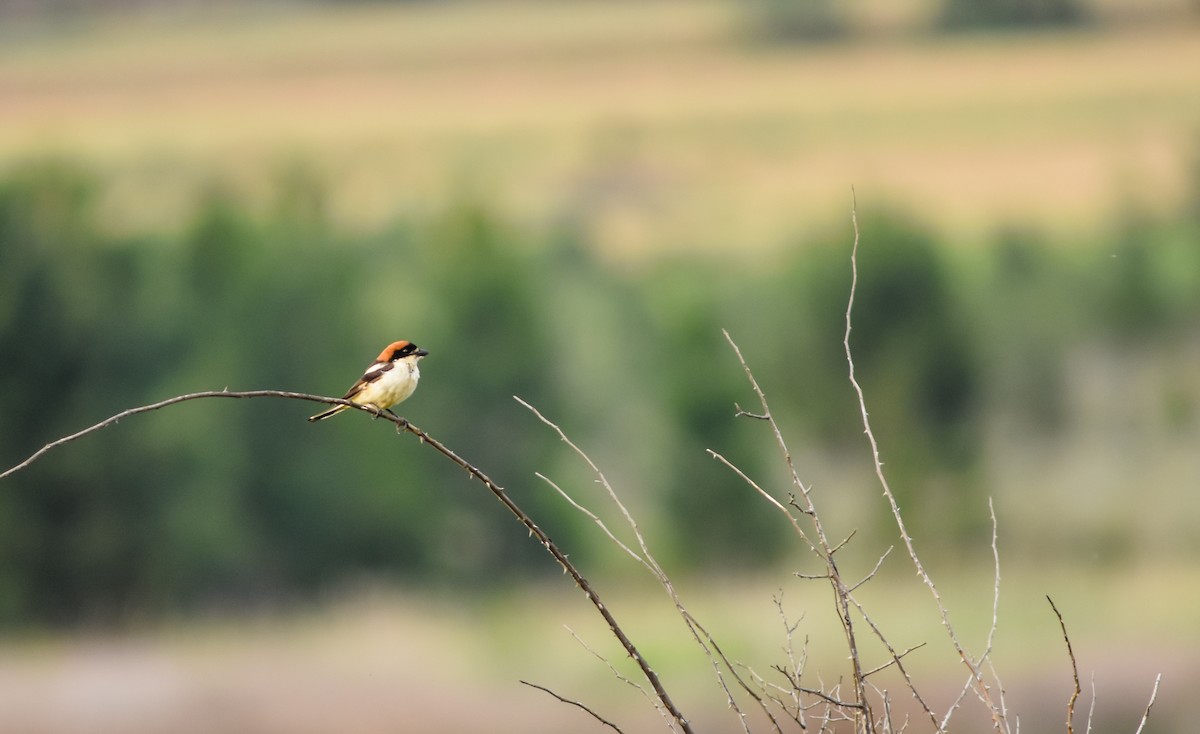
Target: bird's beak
(422, 353)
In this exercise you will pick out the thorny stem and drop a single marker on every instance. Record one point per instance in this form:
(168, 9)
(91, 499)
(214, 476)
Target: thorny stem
(823, 548)
(981, 687)
(1074, 668)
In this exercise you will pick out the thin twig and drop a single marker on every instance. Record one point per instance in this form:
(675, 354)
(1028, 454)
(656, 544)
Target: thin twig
(895, 659)
(967, 686)
(980, 686)
(594, 518)
(1074, 668)
(623, 678)
(821, 546)
(1149, 705)
(796, 665)
(594, 715)
(991, 637)
(769, 498)
(179, 399)
(738, 413)
(701, 635)
(1091, 705)
(812, 576)
(878, 564)
(794, 681)
(846, 540)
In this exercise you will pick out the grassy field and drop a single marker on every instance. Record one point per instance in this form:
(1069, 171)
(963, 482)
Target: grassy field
(660, 119)
(413, 661)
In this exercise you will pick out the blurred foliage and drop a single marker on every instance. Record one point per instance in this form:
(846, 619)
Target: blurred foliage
(991, 14)
(788, 21)
(214, 503)
(807, 21)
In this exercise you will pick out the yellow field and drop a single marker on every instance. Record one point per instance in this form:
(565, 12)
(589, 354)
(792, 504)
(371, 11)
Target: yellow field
(657, 123)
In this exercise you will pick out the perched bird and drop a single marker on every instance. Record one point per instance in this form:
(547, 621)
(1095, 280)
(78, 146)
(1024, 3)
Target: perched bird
(389, 380)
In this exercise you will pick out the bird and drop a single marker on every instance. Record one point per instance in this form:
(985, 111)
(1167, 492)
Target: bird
(388, 381)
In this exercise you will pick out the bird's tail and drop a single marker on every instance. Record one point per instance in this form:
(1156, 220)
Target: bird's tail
(332, 411)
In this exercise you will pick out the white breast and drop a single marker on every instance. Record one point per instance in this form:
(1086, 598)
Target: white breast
(395, 386)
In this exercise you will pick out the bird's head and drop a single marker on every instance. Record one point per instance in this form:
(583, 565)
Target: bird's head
(400, 350)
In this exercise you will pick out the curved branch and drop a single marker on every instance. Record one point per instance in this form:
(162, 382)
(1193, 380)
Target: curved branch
(402, 424)
(179, 399)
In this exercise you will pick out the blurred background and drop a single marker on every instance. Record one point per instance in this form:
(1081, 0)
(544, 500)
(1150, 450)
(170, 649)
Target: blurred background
(567, 201)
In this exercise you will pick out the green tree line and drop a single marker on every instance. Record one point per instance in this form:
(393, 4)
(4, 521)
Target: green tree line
(214, 503)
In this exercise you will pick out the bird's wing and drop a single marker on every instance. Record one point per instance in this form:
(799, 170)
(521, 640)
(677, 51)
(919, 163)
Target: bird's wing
(373, 373)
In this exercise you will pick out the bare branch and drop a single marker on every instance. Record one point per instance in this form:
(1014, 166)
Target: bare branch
(895, 660)
(1074, 669)
(738, 413)
(594, 518)
(967, 686)
(812, 576)
(767, 496)
(981, 688)
(846, 540)
(497, 491)
(702, 637)
(1150, 704)
(985, 656)
(854, 587)
(699, 634)
(821, 546)
(766, 415)
(594, 715)
(1091, 705)
(796, 665)
(179, 399)
(649, 560)
(624, 678)
(794, 681)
